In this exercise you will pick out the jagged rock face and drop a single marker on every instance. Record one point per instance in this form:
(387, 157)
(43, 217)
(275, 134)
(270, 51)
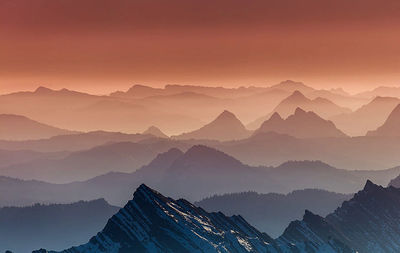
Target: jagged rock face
(371, 219)
(314, 234)
(369, 222)
(153, 223)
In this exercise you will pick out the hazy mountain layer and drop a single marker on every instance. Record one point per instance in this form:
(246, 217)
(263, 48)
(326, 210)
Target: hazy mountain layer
(272, 212)
(198, 173)
(55, 226)
(16, 127)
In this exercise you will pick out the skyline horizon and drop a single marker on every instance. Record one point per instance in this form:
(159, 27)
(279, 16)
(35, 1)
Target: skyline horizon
(123, 88)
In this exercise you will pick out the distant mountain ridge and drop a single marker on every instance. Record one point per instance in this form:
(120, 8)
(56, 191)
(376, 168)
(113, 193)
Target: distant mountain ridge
(368, 117)
(391, 127)
(301, 124)
(155, 131)
(17, 127)
(321, 106)
(195, 174)
(225, 127)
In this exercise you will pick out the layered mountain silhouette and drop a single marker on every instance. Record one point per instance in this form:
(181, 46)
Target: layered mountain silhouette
(368, 117)
(86, 164)
(357, 153)
(195, 174)
(11, 157)
(391, 127)
(321, 106)
(301, 124)
(73, 142)
(85, 112)
(174, 108)
(16, 127)
(383, 91)
(225, 127)
(54, 226)
(292, 86)
(155, 131)
(272, 212)
(151, 222)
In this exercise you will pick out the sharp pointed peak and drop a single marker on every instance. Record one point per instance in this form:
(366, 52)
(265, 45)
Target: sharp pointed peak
(144, 190)
(155, 131)
(297, 93)
(299, 111)
(369, 185)
(226, 113)
(275, 116)
(308, 214)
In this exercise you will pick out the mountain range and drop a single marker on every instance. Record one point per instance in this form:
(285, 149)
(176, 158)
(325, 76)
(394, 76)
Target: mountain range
(73, 142)
(321, 106)
(151, 222)
(301, 124)
(195, 174)
(86, 164)
(174, 108)
(367, 118)
(16, 127)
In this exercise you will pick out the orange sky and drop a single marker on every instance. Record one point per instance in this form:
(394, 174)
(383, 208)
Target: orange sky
(104, 45)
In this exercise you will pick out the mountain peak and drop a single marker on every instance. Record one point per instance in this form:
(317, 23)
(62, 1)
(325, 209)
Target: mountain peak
(299, 112)
(275, 117)
(226, 115)
(202, 157)
(297, 94)
(310, 217)
(290, 85)
(391, 127)
(144, 188)
(369, 186)
(155, 131)
(301, 124)
(203, 150)
(42, 89)
(225, 127)
(151, 222)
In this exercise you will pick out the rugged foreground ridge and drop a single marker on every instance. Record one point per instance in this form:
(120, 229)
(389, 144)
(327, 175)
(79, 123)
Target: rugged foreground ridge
(150, 222)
